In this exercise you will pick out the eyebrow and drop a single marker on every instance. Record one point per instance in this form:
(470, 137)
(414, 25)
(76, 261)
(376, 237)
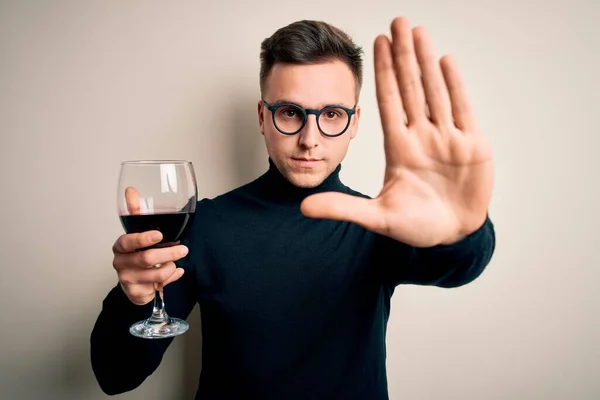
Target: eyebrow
(319, 106)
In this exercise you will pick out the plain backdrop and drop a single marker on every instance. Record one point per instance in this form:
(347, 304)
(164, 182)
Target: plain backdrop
(85, 85)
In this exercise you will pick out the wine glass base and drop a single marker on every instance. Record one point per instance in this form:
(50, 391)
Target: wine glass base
(149, 329)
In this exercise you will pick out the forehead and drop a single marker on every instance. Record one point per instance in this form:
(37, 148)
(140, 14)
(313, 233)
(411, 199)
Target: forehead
(312, 85)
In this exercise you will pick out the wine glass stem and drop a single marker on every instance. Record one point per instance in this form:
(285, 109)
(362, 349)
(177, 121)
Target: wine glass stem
(159, 314)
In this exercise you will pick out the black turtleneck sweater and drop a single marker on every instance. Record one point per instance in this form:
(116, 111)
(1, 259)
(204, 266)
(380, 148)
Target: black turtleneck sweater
(291, 307)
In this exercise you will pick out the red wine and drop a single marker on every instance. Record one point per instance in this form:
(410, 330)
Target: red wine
(173, 226)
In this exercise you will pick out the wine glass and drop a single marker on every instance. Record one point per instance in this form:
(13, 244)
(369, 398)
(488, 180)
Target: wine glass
(158, 195)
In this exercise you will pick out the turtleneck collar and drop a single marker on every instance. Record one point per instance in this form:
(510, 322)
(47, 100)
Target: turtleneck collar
(274, 186)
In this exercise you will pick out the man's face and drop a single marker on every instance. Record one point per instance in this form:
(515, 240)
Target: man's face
(308, 157)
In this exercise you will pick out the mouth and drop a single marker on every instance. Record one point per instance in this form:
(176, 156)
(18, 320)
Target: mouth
(306, 162)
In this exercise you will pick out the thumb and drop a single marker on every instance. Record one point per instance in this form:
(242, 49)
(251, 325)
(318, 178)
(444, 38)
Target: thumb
(132, 198)
(344, 207)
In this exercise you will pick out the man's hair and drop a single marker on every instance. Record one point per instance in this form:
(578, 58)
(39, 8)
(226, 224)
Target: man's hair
(310, 42)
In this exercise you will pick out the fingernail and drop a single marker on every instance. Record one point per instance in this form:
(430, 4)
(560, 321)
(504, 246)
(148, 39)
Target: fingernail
(155, 237)
(184, 250)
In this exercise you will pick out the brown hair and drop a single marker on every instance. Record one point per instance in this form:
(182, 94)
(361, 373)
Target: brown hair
(310, 42)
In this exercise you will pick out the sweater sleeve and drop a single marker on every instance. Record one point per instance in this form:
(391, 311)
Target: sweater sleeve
(444, 266)
(121, 361)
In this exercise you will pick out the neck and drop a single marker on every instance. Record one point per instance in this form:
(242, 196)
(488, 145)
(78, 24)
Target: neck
(277, 188)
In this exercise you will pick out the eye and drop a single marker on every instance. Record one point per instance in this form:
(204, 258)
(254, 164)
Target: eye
(332, 113)
(289, 112)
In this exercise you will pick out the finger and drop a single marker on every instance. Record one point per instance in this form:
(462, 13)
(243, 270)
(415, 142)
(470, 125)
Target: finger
(176, 275)
(407, 71)
(389, 101)
(138, 294)
(462, 111)
(344, 207)
(436, 92)
(132, 198)
(131, 242)
(391, 112)
(149, 258)
(133, 276)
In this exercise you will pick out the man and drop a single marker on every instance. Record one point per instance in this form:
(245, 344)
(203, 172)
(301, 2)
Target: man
(294, 272)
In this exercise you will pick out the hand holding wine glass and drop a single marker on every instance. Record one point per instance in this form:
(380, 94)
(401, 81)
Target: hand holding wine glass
(157, 201)
(140, 270)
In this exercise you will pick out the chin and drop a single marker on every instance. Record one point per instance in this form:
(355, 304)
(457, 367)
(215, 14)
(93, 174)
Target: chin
(305, 180)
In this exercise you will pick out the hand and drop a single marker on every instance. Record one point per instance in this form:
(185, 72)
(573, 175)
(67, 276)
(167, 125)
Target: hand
(439, 170)
(140, 271)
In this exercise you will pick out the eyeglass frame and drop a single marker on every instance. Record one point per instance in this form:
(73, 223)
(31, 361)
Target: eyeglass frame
(308, 111)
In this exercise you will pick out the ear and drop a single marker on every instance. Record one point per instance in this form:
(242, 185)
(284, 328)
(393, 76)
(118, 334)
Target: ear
(261, 117)
(354, 123)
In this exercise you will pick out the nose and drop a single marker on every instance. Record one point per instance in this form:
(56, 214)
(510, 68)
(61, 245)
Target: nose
(309, 136)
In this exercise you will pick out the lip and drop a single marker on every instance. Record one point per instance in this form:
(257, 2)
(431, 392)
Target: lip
(306, 162)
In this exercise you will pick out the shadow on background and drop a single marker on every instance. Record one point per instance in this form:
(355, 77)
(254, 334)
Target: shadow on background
(247, 159)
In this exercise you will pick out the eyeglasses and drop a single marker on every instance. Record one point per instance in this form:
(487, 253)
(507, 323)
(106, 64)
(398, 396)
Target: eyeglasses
(290, 118)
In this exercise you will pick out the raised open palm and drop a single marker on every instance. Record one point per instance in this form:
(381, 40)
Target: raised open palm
(439, 170)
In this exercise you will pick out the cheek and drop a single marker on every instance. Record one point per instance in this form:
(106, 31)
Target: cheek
(274, 139)
(270, 134)
(339, 148)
